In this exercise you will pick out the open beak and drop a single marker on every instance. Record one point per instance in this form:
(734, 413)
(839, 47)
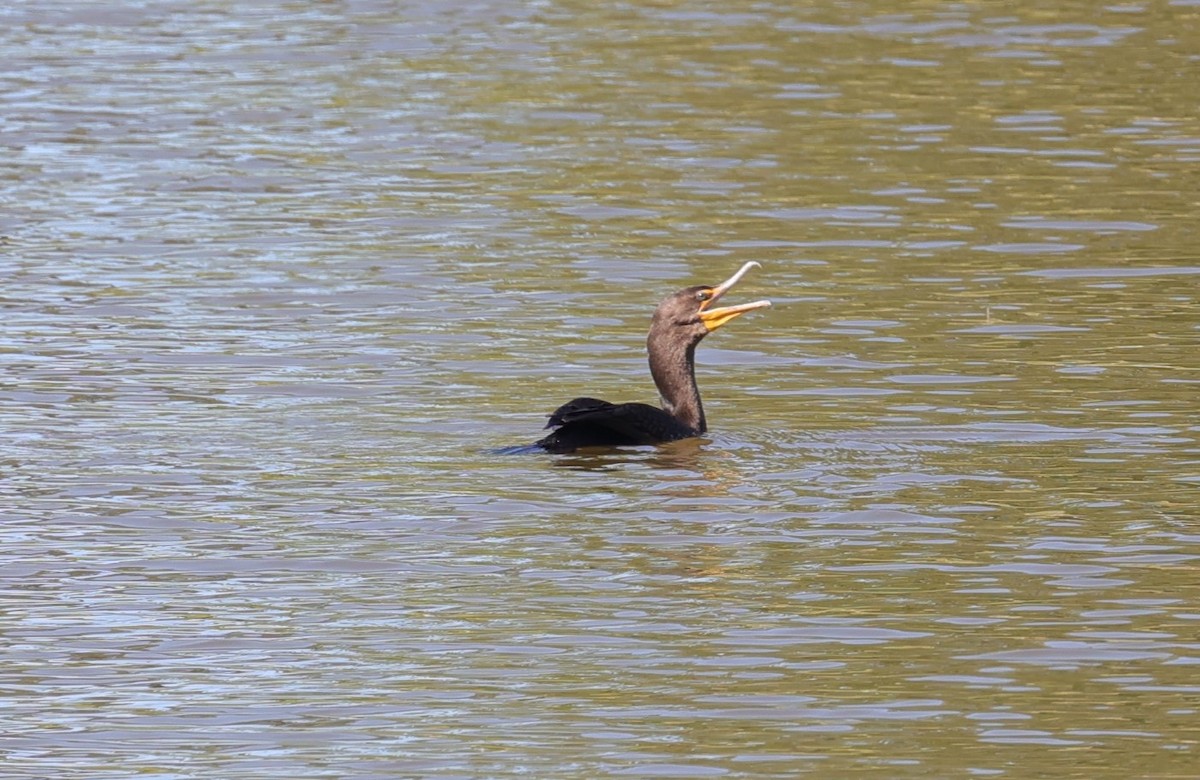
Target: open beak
(715, 318)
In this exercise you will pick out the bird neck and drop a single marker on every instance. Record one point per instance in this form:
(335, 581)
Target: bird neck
(673, 366)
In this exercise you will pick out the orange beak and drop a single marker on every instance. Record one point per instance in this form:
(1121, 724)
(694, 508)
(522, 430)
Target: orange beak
(715, 318)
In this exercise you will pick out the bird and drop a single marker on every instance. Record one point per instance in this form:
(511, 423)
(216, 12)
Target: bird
(679, 324)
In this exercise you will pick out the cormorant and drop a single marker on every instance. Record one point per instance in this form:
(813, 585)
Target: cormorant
(678, 325)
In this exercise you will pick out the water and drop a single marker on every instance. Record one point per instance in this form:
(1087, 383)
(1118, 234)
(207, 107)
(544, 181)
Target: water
(279, 278)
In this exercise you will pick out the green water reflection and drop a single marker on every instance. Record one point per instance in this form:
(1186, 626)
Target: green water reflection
(278, 278)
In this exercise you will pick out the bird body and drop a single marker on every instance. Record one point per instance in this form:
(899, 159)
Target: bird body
(679, 323)
(590, 422)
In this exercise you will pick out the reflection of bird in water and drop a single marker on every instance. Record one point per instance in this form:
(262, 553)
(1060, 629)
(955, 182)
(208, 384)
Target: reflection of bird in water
(679, 324)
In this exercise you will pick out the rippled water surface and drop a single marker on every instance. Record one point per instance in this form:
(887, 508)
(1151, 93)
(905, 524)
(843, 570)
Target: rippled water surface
(280, 277)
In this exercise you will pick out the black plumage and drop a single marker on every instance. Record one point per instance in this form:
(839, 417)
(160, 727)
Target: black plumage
(680, 322)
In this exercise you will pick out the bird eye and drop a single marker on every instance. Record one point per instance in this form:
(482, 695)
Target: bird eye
(703, 295)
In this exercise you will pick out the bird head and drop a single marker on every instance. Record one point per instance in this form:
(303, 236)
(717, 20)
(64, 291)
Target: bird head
(691, 309)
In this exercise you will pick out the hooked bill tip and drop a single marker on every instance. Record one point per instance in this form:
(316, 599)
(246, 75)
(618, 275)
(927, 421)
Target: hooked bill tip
(737, 277)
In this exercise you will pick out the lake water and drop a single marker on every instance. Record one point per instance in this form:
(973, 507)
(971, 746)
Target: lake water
(280, 277)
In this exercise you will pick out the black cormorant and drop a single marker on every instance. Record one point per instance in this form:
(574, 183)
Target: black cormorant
(680, 322)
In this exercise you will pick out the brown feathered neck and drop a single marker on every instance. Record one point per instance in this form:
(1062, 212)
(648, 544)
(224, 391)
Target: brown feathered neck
(672, 352)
